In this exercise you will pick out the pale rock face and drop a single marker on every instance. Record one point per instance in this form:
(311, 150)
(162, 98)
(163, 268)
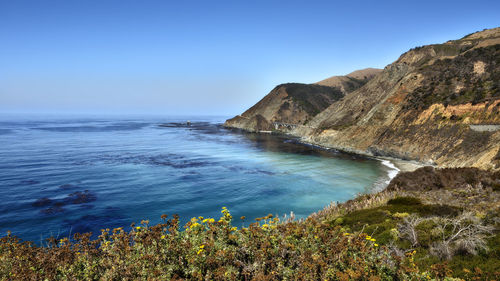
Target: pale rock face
(479, 67)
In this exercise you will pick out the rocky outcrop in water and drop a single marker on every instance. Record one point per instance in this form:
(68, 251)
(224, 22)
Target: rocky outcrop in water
(426, 106)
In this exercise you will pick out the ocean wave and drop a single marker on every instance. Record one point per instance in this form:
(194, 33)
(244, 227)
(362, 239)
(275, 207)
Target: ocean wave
(390, 170)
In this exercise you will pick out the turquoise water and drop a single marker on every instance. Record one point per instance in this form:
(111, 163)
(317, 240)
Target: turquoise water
(65, 175)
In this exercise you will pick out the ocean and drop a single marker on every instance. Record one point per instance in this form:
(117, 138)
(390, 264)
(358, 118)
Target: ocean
(62, 175)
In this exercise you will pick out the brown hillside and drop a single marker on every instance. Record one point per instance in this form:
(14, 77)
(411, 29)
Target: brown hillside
(436, 104)
(296, 103)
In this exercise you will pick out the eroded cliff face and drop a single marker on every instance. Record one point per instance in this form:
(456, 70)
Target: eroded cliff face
(293, 104)
(437, 104)
(422, 106)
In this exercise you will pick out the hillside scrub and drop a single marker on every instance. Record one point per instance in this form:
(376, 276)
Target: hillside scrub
(444, 76)
(441, 238)
(208, 249)
(449, 217)
(312, 98)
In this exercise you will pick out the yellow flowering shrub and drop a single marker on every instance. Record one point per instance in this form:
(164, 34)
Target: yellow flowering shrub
(206, 249)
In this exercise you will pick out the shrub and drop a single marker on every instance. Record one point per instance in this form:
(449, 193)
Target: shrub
(408, 201)
(465, 233)
(407, 229)
(207, 249)
(447, 236)
(400, 215)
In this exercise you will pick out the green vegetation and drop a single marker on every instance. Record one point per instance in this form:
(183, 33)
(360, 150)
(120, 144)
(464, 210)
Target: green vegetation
(311, 97)
(319, 248)
(405, 225)
(209, 250)
(405, 232)
(381, 220)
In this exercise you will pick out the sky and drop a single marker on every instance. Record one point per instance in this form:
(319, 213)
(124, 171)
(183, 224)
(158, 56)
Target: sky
(204, 57)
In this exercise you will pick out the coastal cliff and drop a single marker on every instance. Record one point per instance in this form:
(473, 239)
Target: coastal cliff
(292, 104)
(437, 104)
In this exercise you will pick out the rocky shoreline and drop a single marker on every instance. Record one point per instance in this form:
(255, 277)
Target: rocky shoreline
(402, 165)
(394, 164)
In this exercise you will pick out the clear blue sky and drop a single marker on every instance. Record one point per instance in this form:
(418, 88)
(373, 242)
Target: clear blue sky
(204, 57)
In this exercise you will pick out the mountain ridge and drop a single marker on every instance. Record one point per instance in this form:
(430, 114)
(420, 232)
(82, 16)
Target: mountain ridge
(357, 76)
(421, 107)
(297, 103)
